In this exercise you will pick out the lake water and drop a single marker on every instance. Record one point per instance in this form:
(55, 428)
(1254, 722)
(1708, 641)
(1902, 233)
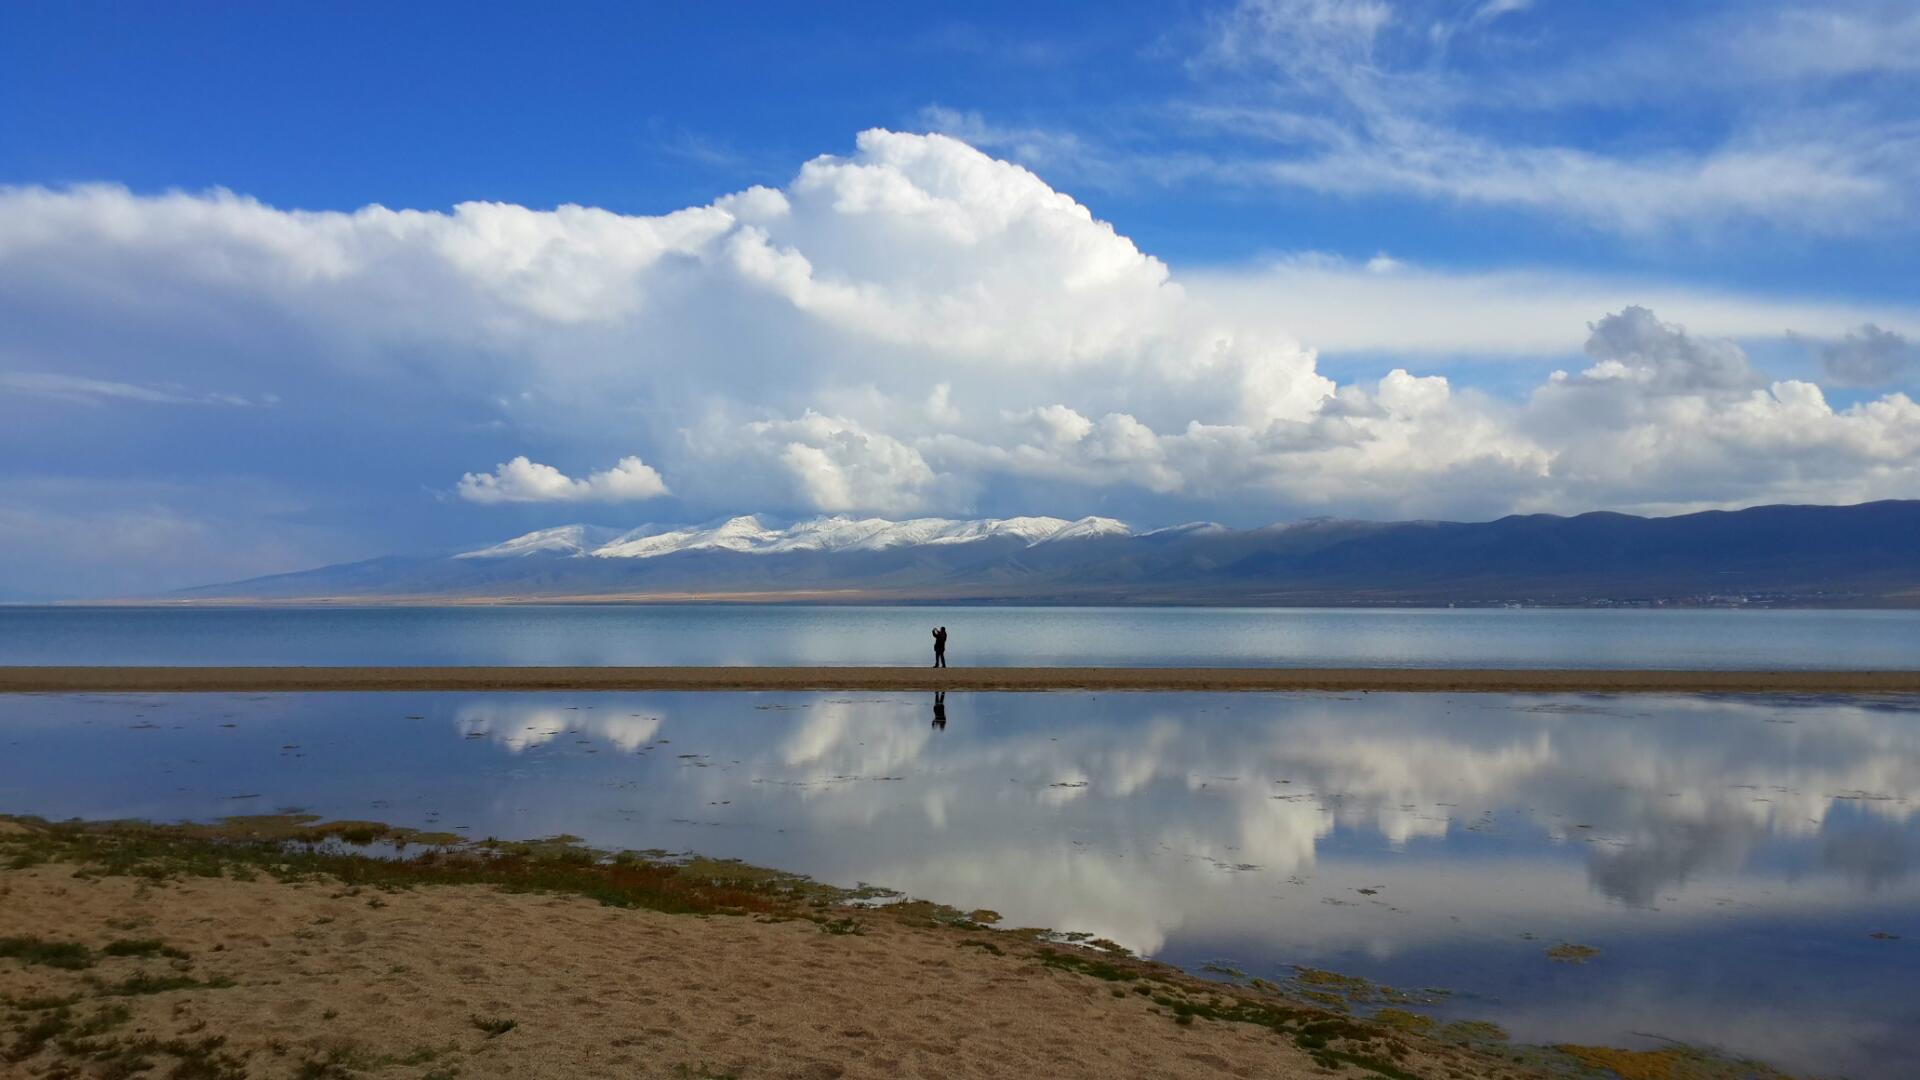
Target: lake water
(1746, 866)
(981, 636)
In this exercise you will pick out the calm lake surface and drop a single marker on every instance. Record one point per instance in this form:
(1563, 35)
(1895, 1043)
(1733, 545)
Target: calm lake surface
(1746, 867)
(981, 636)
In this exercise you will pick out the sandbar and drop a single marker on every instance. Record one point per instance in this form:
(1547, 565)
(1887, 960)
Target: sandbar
(103, 679)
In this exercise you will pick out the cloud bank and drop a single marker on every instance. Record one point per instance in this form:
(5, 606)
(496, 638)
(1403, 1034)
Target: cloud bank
(915, 327)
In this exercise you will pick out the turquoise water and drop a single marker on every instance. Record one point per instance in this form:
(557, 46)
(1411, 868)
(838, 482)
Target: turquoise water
(981, 636)
(1749, 868)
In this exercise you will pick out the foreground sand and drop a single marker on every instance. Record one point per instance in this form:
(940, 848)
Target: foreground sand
(328, 980)
(268, 679)
(227, 951)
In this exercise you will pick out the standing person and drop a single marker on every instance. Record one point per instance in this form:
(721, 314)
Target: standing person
(939, 646)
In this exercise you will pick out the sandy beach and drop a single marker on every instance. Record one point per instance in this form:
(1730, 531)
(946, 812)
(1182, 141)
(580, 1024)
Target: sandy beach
(1403, 680)
(198, 949)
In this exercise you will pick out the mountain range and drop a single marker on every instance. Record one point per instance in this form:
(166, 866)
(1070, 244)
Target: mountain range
(1864, 555)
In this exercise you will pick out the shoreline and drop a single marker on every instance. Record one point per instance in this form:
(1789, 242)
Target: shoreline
(106, 679)
(870, 598)
(259, 947)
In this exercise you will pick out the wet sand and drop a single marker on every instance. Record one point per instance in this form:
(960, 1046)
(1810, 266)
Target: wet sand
(1465, 680)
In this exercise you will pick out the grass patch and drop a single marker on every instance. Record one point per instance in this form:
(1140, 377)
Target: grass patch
(32, 1036)
(1381, 1066)
(143, 947)
(1348, 987)
(66, 955)
(142, 984)
(1402, 1020)
(494, 1027)
(1086, 965)
(86, 1040)
(106, 1019)
(928, 915)
(1332, 1040)
(1668, 1063)
(40, 1002)
(288, 847)
(1569, 953)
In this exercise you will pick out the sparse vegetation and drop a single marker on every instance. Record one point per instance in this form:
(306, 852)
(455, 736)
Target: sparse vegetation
(494, 1026)
(68, 955)
(1568, 953)
(1667, 1063)
(143, 947)
(293, 847)
(143, 983)
(1086, 965)
(1404, 1020)
(81, 1023)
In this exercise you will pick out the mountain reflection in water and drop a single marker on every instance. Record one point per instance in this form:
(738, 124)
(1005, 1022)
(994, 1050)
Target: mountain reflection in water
(1731, 858)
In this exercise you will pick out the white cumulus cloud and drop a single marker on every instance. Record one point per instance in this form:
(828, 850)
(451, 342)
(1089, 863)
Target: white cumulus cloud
(521, 480)
(835, 464)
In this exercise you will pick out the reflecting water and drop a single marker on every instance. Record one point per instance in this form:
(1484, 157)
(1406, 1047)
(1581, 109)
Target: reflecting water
(1746, 867)
(789, 635)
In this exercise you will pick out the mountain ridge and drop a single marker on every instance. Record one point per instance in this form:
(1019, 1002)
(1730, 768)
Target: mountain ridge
(752, 534)
(1862, 555)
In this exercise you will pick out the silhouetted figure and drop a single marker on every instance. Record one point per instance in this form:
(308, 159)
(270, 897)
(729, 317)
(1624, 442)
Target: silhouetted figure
(939, 710)
(939, 646)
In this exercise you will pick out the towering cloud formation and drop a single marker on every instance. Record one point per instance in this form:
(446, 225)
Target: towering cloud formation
(915, 327)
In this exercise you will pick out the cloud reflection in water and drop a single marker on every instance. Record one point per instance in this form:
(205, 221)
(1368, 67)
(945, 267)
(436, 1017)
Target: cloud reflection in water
(1724, 853)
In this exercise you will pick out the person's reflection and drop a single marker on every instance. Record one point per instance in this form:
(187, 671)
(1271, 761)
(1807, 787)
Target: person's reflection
(939, 710)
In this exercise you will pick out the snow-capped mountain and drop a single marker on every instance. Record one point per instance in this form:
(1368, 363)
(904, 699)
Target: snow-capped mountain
(754, 535)
(559, 540)
(1862, 555)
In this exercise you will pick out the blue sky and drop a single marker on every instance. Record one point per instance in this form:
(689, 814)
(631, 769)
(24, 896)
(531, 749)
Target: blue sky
(1158, 261)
